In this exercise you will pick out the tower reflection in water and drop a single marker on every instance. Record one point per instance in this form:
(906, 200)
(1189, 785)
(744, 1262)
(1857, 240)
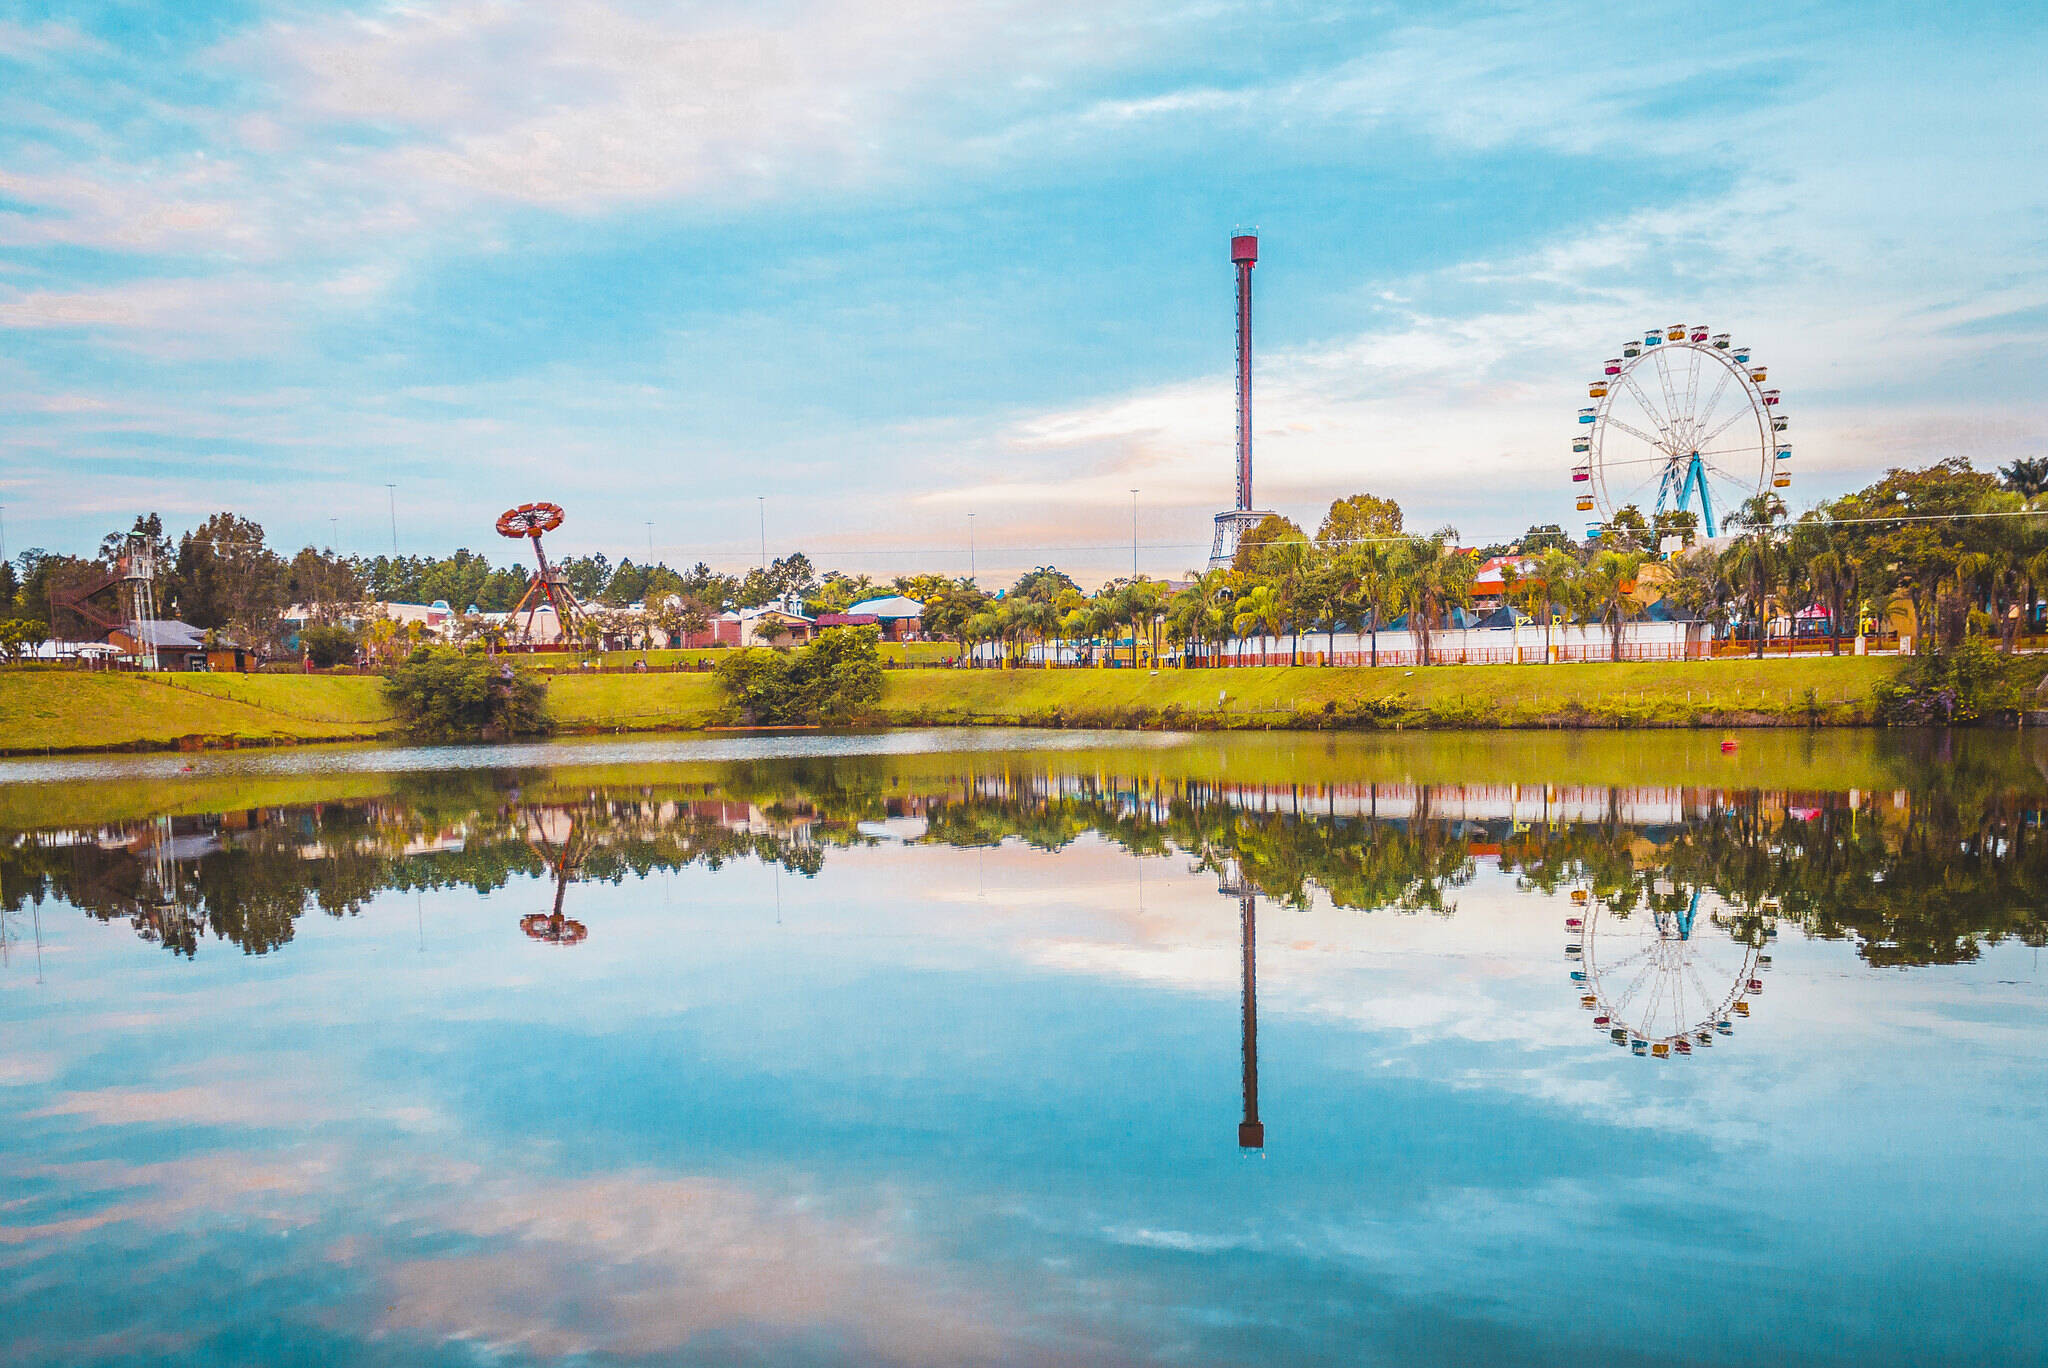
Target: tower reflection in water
(1251, 1132)
(563, 858)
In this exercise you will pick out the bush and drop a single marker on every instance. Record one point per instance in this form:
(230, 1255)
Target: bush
(837, 678)
(1945, 687)
(327, 646)
(442, 693)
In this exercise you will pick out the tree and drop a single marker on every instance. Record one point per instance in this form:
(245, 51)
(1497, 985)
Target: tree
(1561, 592)
(589, 576)
(1268, 530)
(1360, 518)
(837, 678)
(1438, 580)
(947, 613)
(1045, 584)
(1376, 568)
(1627, 531)
(792, 574)
(919, 587)
(1609, 580)
(1261, 611)
(1697, 585)
(327, 645)
(2026, 477)
(1681, 523)
(325, 584)
(1195, 616)
(228, 580)
(440, 692)
(1754, 563)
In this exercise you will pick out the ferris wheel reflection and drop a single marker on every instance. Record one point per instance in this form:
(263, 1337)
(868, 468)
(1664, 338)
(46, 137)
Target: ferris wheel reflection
(1666, 971)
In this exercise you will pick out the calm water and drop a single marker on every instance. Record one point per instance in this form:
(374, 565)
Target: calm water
(996, 1048)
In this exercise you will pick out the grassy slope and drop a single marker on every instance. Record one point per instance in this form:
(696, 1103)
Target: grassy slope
(1706, 692)
(48, 711)
(632, 702)
(67, 711)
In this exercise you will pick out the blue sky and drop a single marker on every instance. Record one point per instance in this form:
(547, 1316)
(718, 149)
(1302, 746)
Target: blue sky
(890, 265)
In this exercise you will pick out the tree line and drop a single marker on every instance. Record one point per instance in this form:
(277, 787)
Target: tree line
(1960, 554)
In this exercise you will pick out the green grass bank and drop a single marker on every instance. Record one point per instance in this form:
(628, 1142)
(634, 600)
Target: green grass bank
(47, 711)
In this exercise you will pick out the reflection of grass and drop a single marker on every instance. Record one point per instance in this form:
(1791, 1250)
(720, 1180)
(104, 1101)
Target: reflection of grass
(1771, 760)
(1704, 693)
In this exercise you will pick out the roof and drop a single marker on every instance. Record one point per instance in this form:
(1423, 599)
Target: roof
(169, 632)
(894, 606)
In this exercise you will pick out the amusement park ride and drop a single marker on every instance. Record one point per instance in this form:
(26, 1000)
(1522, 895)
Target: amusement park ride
(530, 521)
(1234, 522)
(1675, 436)
(134, 577)
(1660, 979)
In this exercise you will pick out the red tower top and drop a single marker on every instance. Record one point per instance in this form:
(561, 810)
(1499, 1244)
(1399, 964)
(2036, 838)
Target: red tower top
(1244, 248)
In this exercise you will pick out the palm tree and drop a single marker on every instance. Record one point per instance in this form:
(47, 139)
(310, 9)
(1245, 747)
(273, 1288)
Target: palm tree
(1439, 580)
(1754, 564)
(1196, 613)
(1560, 587)
(1262, 611)
(1040, 619)
(1609, 580)
(1289, 563)
(1375, 568)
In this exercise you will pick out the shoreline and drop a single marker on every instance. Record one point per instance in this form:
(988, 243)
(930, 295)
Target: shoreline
(59, 713)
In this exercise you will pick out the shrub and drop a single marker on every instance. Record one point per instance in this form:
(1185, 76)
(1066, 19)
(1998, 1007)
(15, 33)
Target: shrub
(837, 678)
(440, 692)
(327, 645)
(1946, 686)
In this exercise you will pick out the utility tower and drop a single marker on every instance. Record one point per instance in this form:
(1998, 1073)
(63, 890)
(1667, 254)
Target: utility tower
(1233, 523)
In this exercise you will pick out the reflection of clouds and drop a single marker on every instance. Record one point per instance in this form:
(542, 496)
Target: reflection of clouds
(288, 1100)
(632, 1264)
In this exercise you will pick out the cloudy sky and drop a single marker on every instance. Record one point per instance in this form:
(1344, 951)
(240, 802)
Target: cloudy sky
(875, 268)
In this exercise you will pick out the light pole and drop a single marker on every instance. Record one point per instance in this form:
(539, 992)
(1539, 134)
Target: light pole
(970, 548)
(392, 490)
(334, 534)
(1134, 536)
(650, 545)
(762, 499)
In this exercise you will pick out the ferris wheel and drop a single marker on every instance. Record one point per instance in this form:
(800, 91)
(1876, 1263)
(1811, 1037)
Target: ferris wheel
(1662, 979)
(1680, 422)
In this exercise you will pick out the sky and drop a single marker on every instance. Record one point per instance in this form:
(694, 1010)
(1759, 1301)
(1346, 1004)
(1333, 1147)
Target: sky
(877, 280)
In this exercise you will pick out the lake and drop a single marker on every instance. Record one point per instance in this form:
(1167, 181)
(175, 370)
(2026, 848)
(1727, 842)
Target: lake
(1030, 1048)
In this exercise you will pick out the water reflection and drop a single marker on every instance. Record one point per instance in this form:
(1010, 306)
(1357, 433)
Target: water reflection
(1660, 876)
(971, 1099)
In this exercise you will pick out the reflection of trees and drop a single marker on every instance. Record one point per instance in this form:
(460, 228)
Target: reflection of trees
(1929, 880)
(247, 877)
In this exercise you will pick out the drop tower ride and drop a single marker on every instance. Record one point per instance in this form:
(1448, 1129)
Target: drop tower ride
(1234, 522)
